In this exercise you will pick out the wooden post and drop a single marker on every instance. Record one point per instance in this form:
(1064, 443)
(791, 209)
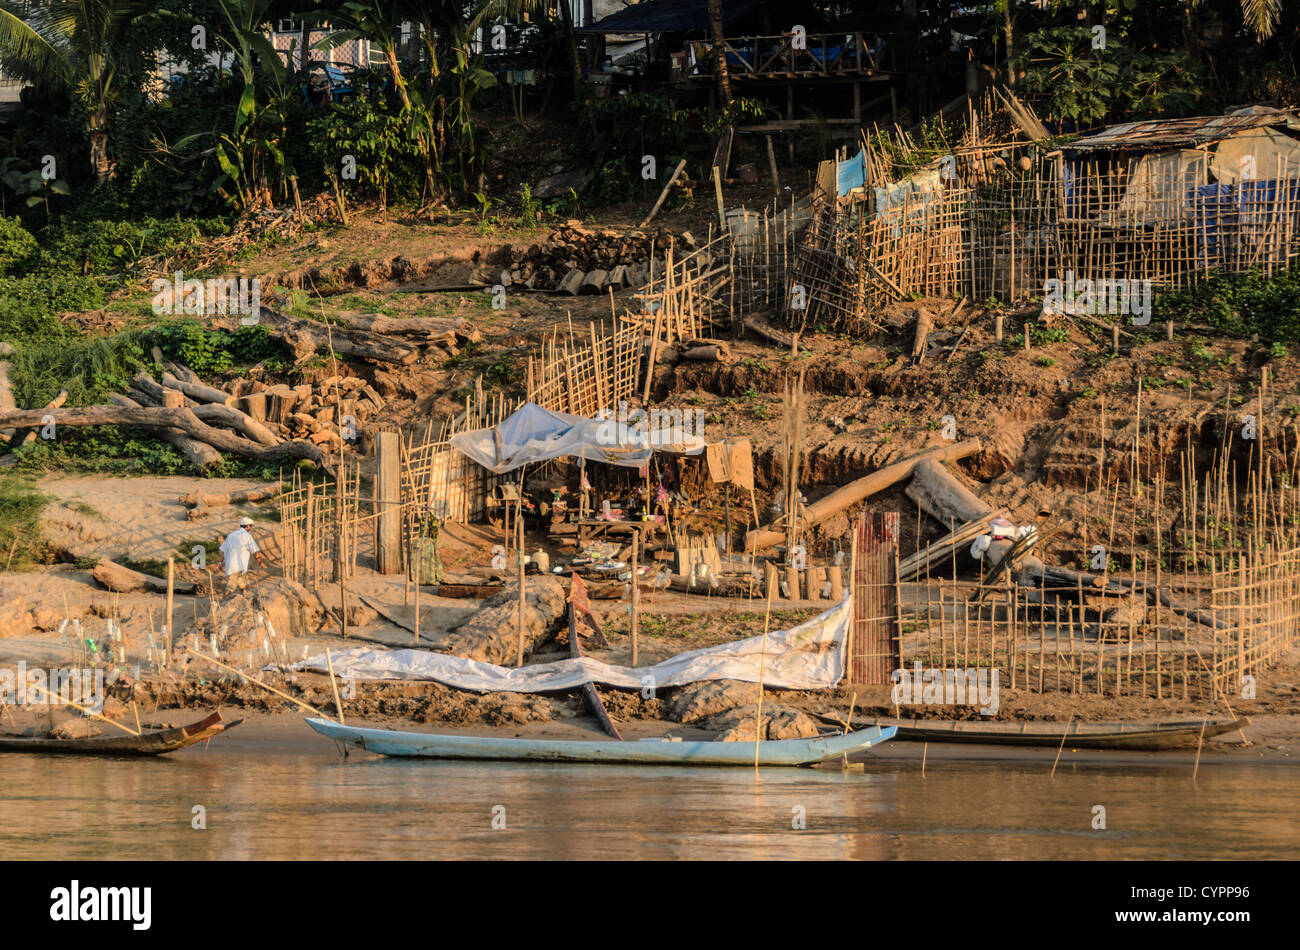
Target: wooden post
(816, 578)
(171, 593)
(663, 194)
(717, 190)
(519, 558)
(636, 593)
(792, 582)
(771, 165)
(388, 553)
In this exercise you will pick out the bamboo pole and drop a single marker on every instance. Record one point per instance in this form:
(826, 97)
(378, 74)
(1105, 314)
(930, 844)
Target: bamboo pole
(256, 682)
(88, 712)
(338, 704)
(762, 671)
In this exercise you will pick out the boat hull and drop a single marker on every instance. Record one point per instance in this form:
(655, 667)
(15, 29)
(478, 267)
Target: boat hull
(785, 752)
(153, 743)
(1133, 736)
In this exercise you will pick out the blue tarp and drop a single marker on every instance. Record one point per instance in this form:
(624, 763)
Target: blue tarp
(1233, 220)
(851, 173)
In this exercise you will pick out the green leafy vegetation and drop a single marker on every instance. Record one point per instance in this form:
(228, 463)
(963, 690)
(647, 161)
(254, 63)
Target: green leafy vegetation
(1240, 305)
(21, 541)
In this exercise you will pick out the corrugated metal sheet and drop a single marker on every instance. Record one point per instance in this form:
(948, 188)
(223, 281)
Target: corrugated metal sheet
(668, 16)
(1156, 134)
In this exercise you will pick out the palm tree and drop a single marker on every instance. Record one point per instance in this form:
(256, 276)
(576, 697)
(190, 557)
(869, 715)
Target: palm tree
(79, 45)
(1261, 16)
(719, 51)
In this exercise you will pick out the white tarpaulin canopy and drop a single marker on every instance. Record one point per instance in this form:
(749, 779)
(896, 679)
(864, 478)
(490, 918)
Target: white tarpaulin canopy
(809, 656)
(533, 434)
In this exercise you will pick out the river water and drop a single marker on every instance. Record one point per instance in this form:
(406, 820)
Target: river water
(299, 806)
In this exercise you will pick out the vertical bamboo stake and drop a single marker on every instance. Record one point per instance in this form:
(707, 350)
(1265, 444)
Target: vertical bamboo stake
(338, 703)
(171, 593)
(519, 558)
(762, 672)
(636, 594)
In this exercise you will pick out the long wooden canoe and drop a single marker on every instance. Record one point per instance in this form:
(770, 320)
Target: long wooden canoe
(642, 752)
(151, 743)
(1151, 735)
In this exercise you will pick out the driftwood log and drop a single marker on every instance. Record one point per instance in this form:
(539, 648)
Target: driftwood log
(201, 502)
(125, 581)
(240, 421)
(768, 332)
(182, 419)
(939, 494)
(199, 454)
(199, 392)
(856, 491)
(307, 338)
(22, 436)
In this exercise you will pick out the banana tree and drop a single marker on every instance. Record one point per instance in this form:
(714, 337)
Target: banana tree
(79, 45)
(380, 25)
(252, 151)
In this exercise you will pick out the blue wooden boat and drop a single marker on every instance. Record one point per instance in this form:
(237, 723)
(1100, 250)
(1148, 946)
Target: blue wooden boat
(642, 752)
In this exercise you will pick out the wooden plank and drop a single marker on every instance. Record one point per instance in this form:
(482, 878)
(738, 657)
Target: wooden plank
(388, 551)
(578, 603)
(877, 646)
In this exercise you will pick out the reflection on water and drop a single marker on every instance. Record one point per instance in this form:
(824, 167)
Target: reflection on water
(312, 806)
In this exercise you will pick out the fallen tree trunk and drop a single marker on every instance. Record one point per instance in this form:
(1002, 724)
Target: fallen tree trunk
(239, 421)
(125, 581)
(448, 330)
(197, 453)
(22, 436)
(155, 391)
(200, 502)
(182, 419)
(856, 491)
(769, 332)
(939, 494)
(307, 338)
(199, 392)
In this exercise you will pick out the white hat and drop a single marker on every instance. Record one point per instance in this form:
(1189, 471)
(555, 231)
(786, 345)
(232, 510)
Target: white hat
(245, 522)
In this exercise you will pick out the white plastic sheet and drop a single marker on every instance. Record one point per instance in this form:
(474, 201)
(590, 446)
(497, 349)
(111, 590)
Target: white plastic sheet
(809, 656)
(533, 434)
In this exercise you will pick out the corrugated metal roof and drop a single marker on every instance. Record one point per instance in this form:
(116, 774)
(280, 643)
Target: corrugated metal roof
(668, 16)
(1180, 133)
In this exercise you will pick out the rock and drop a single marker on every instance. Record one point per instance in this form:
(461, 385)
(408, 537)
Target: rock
(558, 185)
(290, 608)
(594, 282)
(779, 722)
(617, 277)
(571, 282)
(701, 700)
(491, 633)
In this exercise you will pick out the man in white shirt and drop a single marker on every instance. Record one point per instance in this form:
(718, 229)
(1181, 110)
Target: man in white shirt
(235, 551)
